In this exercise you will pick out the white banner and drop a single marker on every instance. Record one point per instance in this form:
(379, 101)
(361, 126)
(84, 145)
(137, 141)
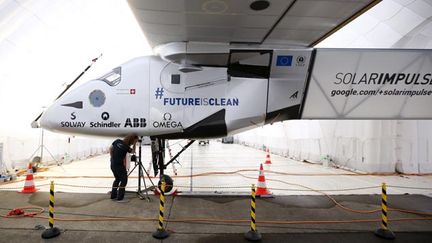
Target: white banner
(370, 84)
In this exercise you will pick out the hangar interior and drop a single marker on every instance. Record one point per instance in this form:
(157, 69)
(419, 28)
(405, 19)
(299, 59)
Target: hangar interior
(30, 39)
(315, 180)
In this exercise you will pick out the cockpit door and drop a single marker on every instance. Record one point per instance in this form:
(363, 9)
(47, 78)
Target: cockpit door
(248, 74)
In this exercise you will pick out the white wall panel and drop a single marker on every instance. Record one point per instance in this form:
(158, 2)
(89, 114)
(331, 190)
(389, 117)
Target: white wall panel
(18, 151)
(370, 146)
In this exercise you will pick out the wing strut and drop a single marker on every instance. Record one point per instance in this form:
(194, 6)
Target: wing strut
(181, 151)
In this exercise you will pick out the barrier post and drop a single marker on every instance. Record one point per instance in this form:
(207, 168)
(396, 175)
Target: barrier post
(161, 233)
(52, 231)
(253, 234)
(383, 231)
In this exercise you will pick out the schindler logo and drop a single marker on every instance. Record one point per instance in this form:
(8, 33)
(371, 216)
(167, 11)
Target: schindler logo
(135, 122)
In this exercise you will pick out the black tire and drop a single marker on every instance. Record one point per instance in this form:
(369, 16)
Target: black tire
(169, 182)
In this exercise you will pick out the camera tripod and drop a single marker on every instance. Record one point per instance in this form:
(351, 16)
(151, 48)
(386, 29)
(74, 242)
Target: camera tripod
(141, 176)
(40, 149)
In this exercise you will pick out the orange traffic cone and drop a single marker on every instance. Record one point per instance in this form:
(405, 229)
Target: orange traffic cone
(268, 160)
(261, 186)
(29, 186)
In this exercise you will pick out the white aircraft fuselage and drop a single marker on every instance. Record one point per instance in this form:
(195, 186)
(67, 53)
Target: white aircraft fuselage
(246, 88)
(151, 97)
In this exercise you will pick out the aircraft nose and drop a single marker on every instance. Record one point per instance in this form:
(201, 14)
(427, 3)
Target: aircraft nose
(74, 111)
(60, 114)
(48, 119)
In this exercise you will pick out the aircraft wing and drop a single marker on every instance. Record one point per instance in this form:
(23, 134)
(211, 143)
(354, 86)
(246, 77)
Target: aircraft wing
(302, 23)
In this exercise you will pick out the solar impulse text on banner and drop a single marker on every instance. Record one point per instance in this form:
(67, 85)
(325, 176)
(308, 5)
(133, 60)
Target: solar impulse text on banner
(370, 84)
(383, 79)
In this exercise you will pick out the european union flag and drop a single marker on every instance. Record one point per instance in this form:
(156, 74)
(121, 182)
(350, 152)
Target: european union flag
(284, 61)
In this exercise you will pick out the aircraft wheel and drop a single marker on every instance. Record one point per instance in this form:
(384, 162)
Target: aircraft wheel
(168, 183)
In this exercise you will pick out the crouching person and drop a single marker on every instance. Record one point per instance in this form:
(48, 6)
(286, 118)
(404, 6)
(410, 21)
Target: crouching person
(118, 151)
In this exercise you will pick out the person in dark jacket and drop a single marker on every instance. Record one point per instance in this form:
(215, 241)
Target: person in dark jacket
(118, 151)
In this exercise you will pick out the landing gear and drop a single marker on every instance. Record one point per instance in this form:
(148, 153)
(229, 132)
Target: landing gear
(158, 155)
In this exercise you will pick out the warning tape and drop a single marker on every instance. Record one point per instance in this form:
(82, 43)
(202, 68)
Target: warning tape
(224, 173)
(321, 191)
(331, 198)
(324, 190)
(240, 187)
(207, 220)
(213, 173)
(19, 188)
(80, 186)
(214, 187)
(409, 187)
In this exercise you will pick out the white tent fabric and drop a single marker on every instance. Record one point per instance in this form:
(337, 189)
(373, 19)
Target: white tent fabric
(390, 24)
(44, 45)
(55, 149)
(370, 146)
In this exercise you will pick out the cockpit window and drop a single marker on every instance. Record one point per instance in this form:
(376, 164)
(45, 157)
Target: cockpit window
(112, 78)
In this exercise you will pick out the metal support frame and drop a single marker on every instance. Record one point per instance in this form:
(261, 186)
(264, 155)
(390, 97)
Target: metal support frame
(158, 155)
(141, 170)
(181, 151)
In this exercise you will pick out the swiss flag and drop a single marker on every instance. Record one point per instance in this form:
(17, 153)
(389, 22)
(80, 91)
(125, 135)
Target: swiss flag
(132, 91)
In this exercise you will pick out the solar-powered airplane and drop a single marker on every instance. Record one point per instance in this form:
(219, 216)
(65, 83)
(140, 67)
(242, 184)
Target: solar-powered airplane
(226, 66)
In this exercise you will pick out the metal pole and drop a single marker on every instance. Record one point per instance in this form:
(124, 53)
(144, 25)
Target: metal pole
(253, 234)
(51, 206)
(42, 145)
(52, 231)
(384, 231)
(161, 233)
(140, 173)
(191, 172)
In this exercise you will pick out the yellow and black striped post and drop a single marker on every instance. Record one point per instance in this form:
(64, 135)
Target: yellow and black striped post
(52, 231)
(253, 234)
(161, 233)
(384, 231)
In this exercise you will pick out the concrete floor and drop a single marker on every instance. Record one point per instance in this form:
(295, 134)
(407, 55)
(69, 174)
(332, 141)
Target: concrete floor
(82, 186)
(101, 236)
(91, 207)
